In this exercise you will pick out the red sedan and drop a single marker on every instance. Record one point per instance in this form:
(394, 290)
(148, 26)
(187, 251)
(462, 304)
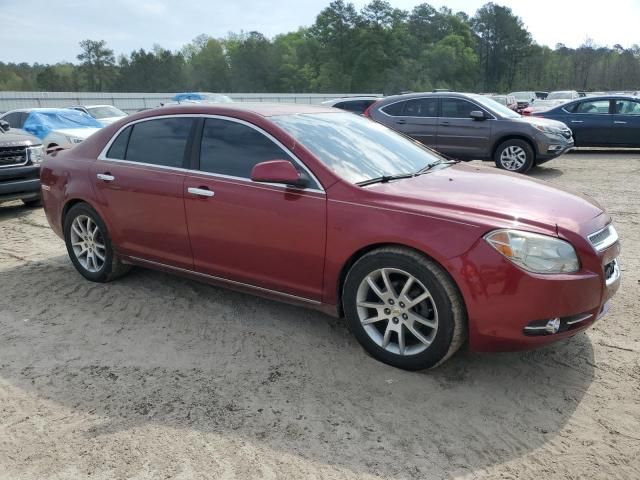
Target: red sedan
(324, 208)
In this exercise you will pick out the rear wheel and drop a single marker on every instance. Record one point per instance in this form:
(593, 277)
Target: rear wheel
(515, 156)
(404, 309)
(89, 245)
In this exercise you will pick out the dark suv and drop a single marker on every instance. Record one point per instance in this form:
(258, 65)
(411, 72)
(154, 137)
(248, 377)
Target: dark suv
(20, 159)
(469, 126)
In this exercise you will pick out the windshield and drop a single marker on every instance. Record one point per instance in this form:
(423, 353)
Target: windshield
(560, 96)
(356, 148)
(495, 107)
(105, 111)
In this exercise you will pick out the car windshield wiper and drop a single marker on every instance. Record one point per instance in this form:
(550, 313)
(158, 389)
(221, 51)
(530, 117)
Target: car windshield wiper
(385, 179)
(436, 163)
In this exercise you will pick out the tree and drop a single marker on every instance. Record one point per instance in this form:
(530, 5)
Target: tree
(98, 63)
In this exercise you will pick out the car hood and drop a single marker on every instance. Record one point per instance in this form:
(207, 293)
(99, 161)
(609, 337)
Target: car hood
(10, 139)
(541, 121)
(76, 132)
(490, 197)
(108, 120)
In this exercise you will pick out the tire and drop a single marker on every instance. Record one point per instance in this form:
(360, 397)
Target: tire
(33, 203)
(443, 309)
(78, 237)
(515, 156)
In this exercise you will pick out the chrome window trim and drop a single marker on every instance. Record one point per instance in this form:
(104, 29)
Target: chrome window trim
(103, 154)
(226, 280)
(608, 241)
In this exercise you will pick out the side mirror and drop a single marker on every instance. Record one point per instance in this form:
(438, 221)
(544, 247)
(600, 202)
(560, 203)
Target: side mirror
(477, 115)
(4, 125)
(278, 171)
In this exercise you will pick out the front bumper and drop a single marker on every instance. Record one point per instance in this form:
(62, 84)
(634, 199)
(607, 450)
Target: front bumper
(18, 183)
(504, 301)
(549, 148)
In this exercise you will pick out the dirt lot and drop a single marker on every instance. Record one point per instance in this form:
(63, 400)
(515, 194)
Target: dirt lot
(154, 376)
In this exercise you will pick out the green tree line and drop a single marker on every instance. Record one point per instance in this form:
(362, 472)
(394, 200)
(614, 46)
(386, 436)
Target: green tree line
(376, 49)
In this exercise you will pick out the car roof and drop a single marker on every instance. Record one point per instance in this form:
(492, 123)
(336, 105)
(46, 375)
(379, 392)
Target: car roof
(261, 109)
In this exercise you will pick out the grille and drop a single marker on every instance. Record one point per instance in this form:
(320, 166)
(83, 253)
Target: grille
(11, 156)
(603, 239)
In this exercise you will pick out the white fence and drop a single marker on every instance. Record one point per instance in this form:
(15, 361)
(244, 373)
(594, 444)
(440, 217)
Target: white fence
(132, 102)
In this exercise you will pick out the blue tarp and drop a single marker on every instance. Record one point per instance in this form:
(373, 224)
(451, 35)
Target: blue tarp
(180, 97)
(41, 122)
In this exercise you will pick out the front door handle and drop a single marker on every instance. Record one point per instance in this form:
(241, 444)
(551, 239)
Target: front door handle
(106, 177)
(445, 123)
(577, 121)
(619, 122)
(401, 122)
(201, 191)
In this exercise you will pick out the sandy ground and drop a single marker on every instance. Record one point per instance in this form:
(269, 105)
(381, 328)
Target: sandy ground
(154, 376)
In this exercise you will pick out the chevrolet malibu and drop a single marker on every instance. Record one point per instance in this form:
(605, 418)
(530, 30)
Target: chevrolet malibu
(320, 207)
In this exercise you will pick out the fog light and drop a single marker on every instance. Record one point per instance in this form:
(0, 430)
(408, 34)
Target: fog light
(553, 325)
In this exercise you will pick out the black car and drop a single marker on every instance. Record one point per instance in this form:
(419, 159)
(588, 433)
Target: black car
(605, 121)
(20, 159)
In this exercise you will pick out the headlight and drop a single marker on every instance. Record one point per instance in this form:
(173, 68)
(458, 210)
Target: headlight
(548, 130)
(533, 252)
(35, 154)
(74, 140)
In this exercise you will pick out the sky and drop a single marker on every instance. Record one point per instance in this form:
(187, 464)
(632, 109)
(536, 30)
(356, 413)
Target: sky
(48, 31)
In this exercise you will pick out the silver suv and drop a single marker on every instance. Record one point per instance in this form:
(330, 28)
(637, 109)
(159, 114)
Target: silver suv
(469, 126)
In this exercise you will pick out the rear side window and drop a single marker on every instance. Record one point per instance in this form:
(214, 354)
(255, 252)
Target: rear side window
(597, 106)
(457, 108)
(159, 142)
(420, 107)
(232, 148)
(395, 109)
(118, 149)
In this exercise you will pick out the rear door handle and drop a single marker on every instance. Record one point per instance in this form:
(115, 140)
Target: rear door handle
(619, 122)
(106, 177)
(576, 121)
(445, 123)
(401, 122)
(201, 191)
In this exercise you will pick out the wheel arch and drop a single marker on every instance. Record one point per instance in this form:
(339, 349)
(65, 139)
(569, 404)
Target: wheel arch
(358, 254)
(515, 136)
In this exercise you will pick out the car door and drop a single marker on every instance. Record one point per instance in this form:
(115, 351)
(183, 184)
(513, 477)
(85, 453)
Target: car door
(459, 135)
(264, 235)
(626, 123)
(139, 180)
(417, 118)
(590, 121)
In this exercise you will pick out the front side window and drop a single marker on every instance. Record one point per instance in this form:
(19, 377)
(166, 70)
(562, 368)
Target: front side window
(159, 142)
(627, 107)
(356, 148)
(232, 148)
(13, 119)
(457, 108)
(595, 106)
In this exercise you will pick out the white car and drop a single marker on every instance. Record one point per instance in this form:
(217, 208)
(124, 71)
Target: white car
(105, 114)
(55, 127)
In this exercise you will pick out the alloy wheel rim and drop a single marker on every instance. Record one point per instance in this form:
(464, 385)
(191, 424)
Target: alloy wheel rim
(513, 157)
(88, 243)
(397, 311)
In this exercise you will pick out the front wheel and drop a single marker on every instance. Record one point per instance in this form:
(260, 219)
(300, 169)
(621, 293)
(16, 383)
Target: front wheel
(89, 245)
(404, 309)
(515, 156)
